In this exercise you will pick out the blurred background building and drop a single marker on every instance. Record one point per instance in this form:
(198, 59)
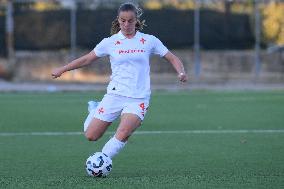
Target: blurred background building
(219, 41)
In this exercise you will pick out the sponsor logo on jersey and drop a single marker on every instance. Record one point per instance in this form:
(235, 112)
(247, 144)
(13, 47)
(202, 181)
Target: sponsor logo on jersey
(131, 51)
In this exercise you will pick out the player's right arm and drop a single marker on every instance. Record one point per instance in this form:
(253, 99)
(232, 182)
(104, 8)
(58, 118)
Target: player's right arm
(75, 64)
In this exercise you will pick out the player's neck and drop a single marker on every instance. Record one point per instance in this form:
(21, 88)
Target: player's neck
(129, 35)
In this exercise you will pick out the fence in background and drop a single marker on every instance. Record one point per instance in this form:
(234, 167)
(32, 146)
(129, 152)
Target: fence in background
(83, 24)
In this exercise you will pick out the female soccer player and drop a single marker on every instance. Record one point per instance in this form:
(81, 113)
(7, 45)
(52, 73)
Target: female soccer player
(128, 92)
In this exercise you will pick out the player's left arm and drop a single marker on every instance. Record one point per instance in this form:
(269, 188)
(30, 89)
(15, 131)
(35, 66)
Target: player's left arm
(178, 65)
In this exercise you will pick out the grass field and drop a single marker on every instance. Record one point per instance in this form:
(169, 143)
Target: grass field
(230, 140)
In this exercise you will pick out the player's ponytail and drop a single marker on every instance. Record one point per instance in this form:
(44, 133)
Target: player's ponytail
(128, 7)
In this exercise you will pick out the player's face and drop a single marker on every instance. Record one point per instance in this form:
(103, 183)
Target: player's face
(127, 21)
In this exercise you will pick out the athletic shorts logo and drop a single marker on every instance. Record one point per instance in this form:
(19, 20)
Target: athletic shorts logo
(101, 110)
(142, 106)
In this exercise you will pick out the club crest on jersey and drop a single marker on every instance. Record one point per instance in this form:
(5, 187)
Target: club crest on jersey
(117, 43)
(142, 40)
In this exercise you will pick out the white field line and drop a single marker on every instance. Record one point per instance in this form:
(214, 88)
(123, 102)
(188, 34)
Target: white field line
(261, 131)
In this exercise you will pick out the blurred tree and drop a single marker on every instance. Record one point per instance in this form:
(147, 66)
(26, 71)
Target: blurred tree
(242, 7)
(46, 5)
(178, 4)
(155, 4)
(273, 23)
(39, 5)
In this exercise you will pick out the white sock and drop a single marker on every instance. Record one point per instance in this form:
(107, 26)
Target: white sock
(92, 105)
(89, 119)
(113, 147)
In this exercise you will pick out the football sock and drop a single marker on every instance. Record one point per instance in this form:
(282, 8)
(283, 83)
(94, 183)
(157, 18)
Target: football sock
(89, 119)
(113, 147)
(92, 105)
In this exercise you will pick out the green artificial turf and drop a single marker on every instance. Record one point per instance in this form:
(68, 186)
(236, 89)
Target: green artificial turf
(150, 160)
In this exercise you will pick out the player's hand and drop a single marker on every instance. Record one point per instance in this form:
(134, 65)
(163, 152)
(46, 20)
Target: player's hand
(182, 77)
(56, 73)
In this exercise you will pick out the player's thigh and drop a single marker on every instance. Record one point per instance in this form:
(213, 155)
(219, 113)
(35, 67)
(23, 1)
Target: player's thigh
(138, 107)
(128, 124)
(96, 129)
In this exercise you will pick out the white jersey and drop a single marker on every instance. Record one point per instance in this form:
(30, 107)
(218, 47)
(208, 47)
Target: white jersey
(129, 60)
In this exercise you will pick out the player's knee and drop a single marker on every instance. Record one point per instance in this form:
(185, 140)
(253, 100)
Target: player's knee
(123, 134)
(91, 137)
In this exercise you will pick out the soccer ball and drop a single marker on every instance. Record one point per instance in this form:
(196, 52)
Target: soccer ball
(98, 165)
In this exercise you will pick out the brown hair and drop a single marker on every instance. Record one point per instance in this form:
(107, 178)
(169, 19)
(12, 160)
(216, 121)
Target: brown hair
(128, 7)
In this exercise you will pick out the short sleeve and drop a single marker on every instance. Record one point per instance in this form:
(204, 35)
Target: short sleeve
(159, 48)
(101, 49)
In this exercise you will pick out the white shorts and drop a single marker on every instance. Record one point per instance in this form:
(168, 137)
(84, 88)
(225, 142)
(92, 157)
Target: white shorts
(112, 106)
